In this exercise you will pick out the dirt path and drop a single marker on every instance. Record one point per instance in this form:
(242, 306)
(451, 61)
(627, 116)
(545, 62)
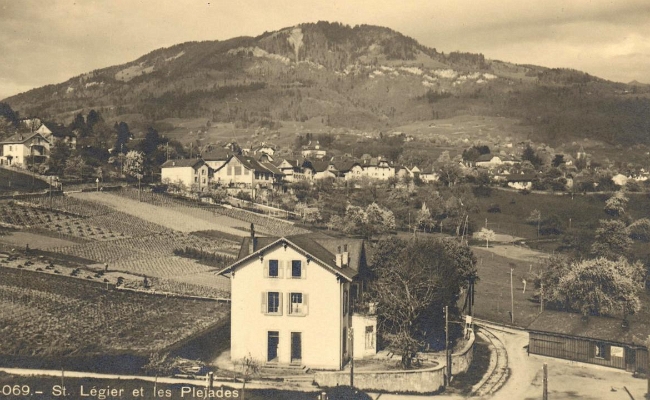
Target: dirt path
(566, 379)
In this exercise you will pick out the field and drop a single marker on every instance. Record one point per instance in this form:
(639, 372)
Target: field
(492, 292)
(127, 244)
(12, 181)
(54, 315)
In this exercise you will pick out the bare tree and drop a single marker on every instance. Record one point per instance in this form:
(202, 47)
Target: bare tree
(249, 367)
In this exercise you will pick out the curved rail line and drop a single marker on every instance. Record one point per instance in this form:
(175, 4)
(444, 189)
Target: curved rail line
(499, 372)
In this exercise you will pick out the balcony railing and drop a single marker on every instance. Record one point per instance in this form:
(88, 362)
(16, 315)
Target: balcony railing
(364, 308)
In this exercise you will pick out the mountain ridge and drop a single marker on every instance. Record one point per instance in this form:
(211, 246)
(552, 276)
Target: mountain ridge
(361, 77)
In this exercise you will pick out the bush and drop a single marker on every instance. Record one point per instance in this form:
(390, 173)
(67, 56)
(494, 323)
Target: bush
(494, 208)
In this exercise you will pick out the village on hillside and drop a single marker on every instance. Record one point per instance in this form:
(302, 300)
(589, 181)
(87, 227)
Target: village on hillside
(314, 268)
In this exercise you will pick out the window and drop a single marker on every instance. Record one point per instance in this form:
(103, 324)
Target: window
(238, 170)
(272, 303)
(600, 351)
(274, 269)
(196, 179)
(296, 269)
(370, 337)
(298, 304)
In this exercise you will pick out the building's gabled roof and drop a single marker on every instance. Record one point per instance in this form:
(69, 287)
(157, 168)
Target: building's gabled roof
(183, 162)
(217, 154)
(20, 138)
(597, 328)
(521, 177)
(293, 163)
(272, 168)
(321, 249)
(320, 166)
(488, 157)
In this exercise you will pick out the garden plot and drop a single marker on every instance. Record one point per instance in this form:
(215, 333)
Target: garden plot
(171, 219)
(52, 315)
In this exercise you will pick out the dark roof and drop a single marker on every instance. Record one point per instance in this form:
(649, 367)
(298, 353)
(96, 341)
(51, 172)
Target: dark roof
(320, 166)
(344, 165)
(293, 163)
(520, 177)
(183, 162)
(269, 166)
(322, 248)
(21, 138)
(251, 163)
(598, 328)
(217, 154)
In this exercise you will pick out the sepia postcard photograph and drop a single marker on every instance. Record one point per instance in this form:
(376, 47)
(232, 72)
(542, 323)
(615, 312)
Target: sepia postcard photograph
(324, 200)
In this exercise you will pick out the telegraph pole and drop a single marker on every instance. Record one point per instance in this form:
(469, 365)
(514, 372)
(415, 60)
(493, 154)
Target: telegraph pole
(447, 357)
(545, 390)
(351, 337)
(512, 299)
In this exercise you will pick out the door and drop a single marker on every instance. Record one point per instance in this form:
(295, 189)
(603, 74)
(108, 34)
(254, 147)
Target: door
(296, 347)
(630, 359)
(273, 342)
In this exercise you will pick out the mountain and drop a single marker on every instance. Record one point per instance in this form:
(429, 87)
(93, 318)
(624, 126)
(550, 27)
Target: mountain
(361, 77)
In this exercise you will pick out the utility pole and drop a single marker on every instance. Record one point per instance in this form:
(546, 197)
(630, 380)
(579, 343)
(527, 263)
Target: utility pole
(545, 390)
(351, 338)
(447, 356)
(512, 299)
(541, 297)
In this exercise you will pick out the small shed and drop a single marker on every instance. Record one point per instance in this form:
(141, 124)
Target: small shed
(596, 340)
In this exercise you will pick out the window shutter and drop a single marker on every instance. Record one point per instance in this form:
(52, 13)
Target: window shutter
(305, 303)
(265, 297)
(289, 303)
(280, 305)
(281, 267)
(303, 267)
(266, 268)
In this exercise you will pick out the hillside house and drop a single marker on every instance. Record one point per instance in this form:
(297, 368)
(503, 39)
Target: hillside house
(492, 160)
(520, 181)
(247, 172)
(24, 149)
(216, 157)
(596, 340)
(291, 170)
(193, 174)
(313, 150)
(293, 300)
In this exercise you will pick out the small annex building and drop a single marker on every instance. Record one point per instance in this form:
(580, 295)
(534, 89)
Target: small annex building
(294, 300)
(595, 340)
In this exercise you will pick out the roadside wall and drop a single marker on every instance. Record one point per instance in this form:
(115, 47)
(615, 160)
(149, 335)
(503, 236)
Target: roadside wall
(428, 380)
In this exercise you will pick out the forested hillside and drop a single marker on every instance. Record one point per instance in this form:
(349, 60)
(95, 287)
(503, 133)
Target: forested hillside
(361, 77)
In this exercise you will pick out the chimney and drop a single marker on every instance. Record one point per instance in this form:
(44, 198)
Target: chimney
(339, 257)
(252, 243)
(345, 256)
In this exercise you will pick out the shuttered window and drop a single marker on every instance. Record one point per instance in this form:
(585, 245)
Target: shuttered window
(272, 303)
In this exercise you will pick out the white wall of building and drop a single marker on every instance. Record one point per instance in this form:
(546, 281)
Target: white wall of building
(320, 328)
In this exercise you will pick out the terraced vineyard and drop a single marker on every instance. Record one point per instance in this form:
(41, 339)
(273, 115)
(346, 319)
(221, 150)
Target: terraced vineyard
(53, 315)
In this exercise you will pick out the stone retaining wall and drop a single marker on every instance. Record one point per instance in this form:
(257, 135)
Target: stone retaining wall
(427, 380)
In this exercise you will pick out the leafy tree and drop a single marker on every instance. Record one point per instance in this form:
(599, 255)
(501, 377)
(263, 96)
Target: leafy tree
(59, 153)
(530, 155)
(640, 230)
(485, 234)
(411, 283)
(75, 166)
(8, 113)
(535, 217)
(79, 125)
(450, 174)
(557, 160)
(249, 367)
(612, 240)
(615, 205)
(603, 287)
(123, 135)
(134, 164)
(92, 119)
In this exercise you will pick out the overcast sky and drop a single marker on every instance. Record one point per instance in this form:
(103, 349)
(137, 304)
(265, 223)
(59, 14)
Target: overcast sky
(43, 42)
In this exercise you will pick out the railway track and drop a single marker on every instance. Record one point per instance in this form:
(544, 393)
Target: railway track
(498, 371)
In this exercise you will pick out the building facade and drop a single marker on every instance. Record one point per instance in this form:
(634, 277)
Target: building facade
(292, 302)
(194, 174)
(24, 149)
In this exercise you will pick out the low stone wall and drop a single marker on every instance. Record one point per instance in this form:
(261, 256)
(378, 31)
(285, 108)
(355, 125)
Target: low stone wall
(417, 381)
(427, 380)
(461, 360)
